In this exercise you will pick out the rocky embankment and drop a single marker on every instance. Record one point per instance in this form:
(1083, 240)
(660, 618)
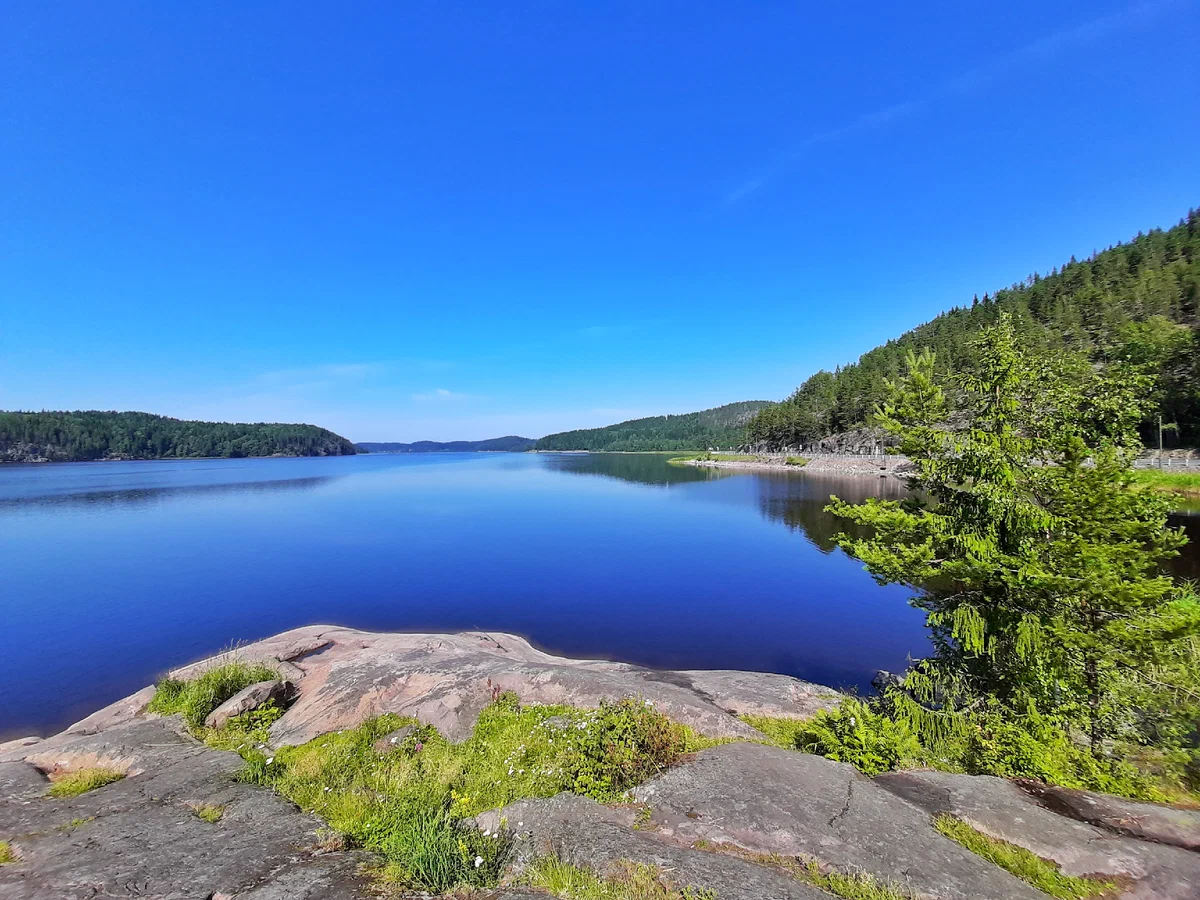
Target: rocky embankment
(876, 466)
(722, 820)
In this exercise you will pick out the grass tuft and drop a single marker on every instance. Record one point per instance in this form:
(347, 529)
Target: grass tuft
(197, 697)
(6, 853)
(72, 784)
(628, 881)
(796, 461)
(1030, 868)
(857, 886)
(209, 812)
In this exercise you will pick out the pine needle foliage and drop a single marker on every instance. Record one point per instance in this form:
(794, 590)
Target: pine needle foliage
(1036, 558)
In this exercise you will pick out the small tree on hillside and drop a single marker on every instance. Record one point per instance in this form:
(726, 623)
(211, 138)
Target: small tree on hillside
(1036, 558)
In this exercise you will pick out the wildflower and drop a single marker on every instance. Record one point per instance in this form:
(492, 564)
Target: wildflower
(478, 861)
(270, 759)
(419, 747)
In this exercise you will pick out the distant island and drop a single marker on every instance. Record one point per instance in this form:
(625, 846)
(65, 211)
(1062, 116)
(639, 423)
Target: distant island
(96, 435)
(722, 427)
(508, 444)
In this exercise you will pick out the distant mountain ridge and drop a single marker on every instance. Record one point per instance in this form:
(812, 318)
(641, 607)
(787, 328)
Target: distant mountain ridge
(721, 426)
(507, 444)
(97, 434)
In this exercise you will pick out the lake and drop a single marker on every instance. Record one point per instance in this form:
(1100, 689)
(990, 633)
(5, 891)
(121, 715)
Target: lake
(115, 572)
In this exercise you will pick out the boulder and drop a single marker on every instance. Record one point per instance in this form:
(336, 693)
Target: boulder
(248, 698)
(1000, 809)
(765, 800)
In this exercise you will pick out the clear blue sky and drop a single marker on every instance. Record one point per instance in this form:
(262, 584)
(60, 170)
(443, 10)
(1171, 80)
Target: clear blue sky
(459, 220)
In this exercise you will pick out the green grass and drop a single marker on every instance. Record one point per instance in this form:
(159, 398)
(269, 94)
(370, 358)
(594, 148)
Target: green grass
(72, 784)
(6, 853)
(197, 697)
(413, 804)
(796, 461)
(1027, 866)
(1186, 483)
(628, 881)
(209, 812)
(779, 732)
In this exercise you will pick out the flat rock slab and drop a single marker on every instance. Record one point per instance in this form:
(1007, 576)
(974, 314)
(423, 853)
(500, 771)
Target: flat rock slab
(1146, 821)
(1001, 809)
(771, 801)
(584, 833)
(446, 679)
(141, 836)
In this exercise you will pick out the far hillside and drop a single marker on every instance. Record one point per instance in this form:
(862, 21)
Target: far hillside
(93, 435)
(1138, 302)
(507, 444)
(723, 427)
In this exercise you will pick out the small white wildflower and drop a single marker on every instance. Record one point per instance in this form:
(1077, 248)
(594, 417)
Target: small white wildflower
(478, 861)
(270, 759)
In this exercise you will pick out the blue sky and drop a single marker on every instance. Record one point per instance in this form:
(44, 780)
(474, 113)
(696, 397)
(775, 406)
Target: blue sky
(444, 220)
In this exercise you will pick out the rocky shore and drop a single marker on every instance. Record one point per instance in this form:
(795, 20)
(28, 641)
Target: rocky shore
(726, 819)
(876, 466)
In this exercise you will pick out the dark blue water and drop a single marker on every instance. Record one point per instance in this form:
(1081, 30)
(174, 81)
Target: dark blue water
(114, 572)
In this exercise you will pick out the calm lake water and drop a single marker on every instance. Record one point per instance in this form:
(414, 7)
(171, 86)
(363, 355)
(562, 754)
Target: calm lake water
(115, 572)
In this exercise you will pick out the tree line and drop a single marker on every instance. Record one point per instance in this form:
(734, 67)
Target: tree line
(1133, 303)
(722, 426)
(94, 435)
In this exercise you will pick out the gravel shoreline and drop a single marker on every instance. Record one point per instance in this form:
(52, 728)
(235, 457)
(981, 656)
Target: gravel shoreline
(820, 464)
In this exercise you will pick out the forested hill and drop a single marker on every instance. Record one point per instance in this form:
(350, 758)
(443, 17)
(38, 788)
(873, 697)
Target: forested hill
(85, 435)
(722, 427)
(509, 443)
(1137, 301)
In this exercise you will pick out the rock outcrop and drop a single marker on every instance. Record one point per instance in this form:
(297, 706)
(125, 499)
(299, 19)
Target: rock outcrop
(723, 820)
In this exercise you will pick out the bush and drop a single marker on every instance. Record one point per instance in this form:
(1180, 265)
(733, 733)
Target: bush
(855, 733)
(198, 697)
(621, 745)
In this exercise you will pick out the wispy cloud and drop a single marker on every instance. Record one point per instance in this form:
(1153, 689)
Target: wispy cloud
(974, 79)
(439, 394)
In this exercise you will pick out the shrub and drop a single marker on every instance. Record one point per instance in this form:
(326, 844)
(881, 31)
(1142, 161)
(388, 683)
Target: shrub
(74, 783)
(855, 733)
(620, 745)
(198, 697)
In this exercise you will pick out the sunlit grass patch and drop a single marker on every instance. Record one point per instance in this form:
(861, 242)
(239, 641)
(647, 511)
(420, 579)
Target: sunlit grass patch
(71, 784)
(1187, 483)
(796, 461)
(628, 881)
(413, 804)
(6, 853)
(195, 698)
(1043, 875)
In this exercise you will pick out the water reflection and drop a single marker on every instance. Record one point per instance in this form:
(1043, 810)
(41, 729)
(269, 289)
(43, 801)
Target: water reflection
(640, 468)
(145, 496)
